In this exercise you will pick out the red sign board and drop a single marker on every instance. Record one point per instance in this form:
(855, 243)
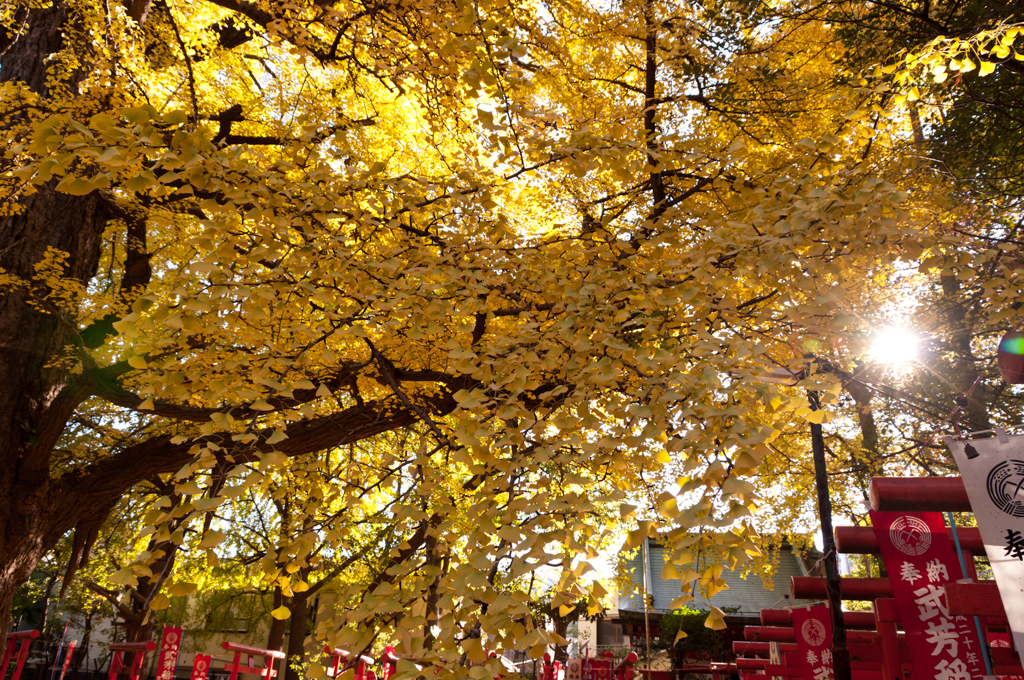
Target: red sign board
(170, 645)
(201, 666)
(920, 558)
(813, 628)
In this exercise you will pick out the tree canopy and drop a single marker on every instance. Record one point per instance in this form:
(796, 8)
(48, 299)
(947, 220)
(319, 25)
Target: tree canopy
(478, 283)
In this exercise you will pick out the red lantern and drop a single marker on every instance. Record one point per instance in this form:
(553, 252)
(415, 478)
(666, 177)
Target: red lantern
(1010, 357)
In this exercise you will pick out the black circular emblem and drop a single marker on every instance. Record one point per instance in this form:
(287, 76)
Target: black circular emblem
(1006, 487)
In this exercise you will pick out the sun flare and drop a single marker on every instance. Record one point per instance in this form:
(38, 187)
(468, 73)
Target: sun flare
(894, 346)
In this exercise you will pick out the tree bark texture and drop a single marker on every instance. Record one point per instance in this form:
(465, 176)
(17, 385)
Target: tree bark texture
(33, 407)
(296, 635)
(275, 637)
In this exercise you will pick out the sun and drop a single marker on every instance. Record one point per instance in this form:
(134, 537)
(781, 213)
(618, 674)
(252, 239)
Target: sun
(894, 345)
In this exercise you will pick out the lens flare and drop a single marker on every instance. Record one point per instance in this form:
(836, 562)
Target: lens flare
(1012, 345)
(894, 346)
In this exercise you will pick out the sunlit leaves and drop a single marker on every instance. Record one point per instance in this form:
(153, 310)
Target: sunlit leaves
(445, 274)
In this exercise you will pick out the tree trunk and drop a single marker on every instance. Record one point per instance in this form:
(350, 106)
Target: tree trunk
(296, 637)
(275, 638)
(139, 628)
(33, 409)
(86, 639)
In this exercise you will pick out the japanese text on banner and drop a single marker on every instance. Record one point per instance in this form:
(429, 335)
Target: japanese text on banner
(813, 628)
(920, 558)
(170, 645)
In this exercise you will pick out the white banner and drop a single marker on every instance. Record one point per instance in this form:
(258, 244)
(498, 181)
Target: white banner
(574, 669)
(995, 485)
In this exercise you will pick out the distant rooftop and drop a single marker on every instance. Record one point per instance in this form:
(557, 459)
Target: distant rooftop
(749, 594)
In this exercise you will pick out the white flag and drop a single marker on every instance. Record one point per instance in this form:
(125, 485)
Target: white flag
(994, 479)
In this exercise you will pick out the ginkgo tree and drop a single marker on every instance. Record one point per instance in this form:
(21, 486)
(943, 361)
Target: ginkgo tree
(558, 241)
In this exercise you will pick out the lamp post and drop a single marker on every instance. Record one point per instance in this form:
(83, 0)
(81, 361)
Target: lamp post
(833, 582)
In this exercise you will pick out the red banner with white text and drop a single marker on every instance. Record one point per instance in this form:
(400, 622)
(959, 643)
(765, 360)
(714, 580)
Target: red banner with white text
(919, 557)
(201, 666)
(813, 628)
(167, 662)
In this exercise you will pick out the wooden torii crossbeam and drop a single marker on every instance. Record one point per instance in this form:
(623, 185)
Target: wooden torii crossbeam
(919, 494)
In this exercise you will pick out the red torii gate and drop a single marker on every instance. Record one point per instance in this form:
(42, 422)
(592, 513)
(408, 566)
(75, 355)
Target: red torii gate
(235, 666)
(137, 649)
(596, 668)
(883, 649)
(341, 659)
(25, 637)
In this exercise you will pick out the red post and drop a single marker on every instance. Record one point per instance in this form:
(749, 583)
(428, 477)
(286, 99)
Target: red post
(137, 649)
(624, 671)
(886, 618)
(389, 663)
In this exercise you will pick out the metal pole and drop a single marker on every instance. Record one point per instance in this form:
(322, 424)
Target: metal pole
(963, 569)
(833, 584)
(647, 620)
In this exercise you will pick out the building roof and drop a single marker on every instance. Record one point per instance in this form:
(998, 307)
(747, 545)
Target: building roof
(749, 594)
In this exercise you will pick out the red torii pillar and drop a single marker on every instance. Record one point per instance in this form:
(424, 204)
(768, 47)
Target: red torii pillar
(551, 669)
(624, 671)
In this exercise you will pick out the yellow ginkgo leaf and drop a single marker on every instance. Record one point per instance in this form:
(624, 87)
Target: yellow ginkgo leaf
(716, 619)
